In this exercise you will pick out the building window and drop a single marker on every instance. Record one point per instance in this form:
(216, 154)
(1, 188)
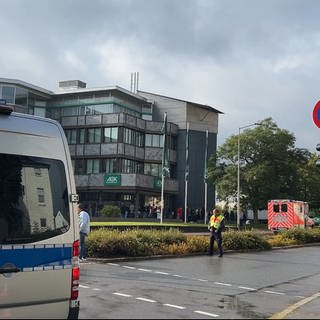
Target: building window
(139, 139)
(73, 111)
(139, 167)
(37, 172)
(38, 111)
(8, 94)
(111, 134)
(81, 136)
(127, 166)
(128, 136)
(93, 166)
(153, 140)
(43, 222)
(110, 165)
(152, 169)
(79, 166)
(71, 135)
(148, 142)
(94, 135)
(40, 192)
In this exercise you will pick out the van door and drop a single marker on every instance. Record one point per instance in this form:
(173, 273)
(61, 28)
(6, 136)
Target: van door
(36, 238)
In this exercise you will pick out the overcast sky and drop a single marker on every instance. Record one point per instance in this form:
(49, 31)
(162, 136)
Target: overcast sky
(249, 59)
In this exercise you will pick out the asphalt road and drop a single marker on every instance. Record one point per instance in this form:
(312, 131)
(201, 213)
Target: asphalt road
(280, 283)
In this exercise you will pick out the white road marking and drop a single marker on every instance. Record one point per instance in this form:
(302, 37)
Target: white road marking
(96, 289)
(159, 272)
(145, 270)
(173, 306)
(203, 280)
(224, 284)
(247, 288)
(145, 299)
(82, 286)
(196, 279)
(274, 292)
(122, 294)
(206, 313)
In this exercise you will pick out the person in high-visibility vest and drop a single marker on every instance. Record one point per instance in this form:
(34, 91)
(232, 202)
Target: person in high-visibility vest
(216, 226)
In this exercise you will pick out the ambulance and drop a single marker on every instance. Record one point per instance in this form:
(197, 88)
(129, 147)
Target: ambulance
(286, 214)
(39, 236)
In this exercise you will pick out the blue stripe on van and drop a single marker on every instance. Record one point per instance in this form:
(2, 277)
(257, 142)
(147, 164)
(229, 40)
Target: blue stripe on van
(24, 257)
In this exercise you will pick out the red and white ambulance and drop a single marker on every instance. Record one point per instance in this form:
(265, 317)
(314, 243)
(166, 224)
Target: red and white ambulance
(286, 214)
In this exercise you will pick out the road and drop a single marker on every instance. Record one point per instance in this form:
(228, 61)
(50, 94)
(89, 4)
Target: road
(283, 283)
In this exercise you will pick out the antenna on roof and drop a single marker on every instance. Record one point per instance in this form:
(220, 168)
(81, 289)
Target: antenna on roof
(134, 82)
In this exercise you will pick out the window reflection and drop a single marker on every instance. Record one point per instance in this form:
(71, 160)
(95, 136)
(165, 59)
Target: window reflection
(34, 199)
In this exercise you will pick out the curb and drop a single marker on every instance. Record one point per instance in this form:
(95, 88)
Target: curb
(124, 259)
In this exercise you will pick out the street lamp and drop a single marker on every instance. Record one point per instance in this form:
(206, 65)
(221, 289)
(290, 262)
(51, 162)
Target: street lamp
(238, 188)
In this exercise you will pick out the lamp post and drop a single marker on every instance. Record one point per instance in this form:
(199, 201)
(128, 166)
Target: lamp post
(238, 176)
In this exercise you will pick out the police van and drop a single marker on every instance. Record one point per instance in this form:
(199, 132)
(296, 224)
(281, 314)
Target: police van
(39, 235)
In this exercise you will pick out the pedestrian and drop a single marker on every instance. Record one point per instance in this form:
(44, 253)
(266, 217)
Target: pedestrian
(216, 226)
(84, 228)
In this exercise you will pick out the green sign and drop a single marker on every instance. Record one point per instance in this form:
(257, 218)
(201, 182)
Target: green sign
(112, 179)
(157, 183)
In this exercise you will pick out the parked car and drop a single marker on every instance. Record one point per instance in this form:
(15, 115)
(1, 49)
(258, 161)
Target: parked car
(316, 221)
(309, 222)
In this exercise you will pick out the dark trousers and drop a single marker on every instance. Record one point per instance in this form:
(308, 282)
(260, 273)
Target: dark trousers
(215, 236)
(83, 250)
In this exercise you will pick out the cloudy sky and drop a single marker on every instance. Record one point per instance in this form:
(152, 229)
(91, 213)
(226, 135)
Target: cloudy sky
(247, 58)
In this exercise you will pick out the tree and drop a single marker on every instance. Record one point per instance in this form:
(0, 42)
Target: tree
(309, 181)
(270, 167)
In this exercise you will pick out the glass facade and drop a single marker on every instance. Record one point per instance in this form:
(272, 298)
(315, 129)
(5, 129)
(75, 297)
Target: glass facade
(8, 93)
(92, 106)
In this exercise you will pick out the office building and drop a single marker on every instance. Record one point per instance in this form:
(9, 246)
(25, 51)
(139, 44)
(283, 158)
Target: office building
(115, 141)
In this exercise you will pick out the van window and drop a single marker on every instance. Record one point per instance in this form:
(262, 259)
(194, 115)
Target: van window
(275, 208)
(284, 207)
(33, 199)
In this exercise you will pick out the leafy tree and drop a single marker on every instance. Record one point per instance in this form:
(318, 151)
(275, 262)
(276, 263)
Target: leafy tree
(270, 167)
(309, 182)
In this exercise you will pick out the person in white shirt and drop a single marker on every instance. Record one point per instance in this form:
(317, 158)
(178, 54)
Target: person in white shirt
(84, 228)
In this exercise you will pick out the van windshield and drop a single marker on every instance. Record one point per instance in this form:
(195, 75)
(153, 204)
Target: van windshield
(33, 199)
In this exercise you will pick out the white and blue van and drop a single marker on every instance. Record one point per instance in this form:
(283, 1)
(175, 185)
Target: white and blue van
(39, 235)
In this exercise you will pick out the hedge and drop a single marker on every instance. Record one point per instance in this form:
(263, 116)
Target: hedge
(105, 243)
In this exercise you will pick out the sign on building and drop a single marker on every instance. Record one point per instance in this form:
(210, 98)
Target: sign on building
(157, 183)
(112, 180)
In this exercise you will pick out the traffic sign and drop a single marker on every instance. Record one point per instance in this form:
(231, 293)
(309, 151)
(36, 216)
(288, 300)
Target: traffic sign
(316, 114)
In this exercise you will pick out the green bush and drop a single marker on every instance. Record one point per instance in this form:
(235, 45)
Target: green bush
(134, 242)
(245, 240)
(301, 235)
(110, 211)
(103, 243)
(279, 241)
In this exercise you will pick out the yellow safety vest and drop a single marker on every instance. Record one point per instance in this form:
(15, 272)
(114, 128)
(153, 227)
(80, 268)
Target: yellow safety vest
(215, 221)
